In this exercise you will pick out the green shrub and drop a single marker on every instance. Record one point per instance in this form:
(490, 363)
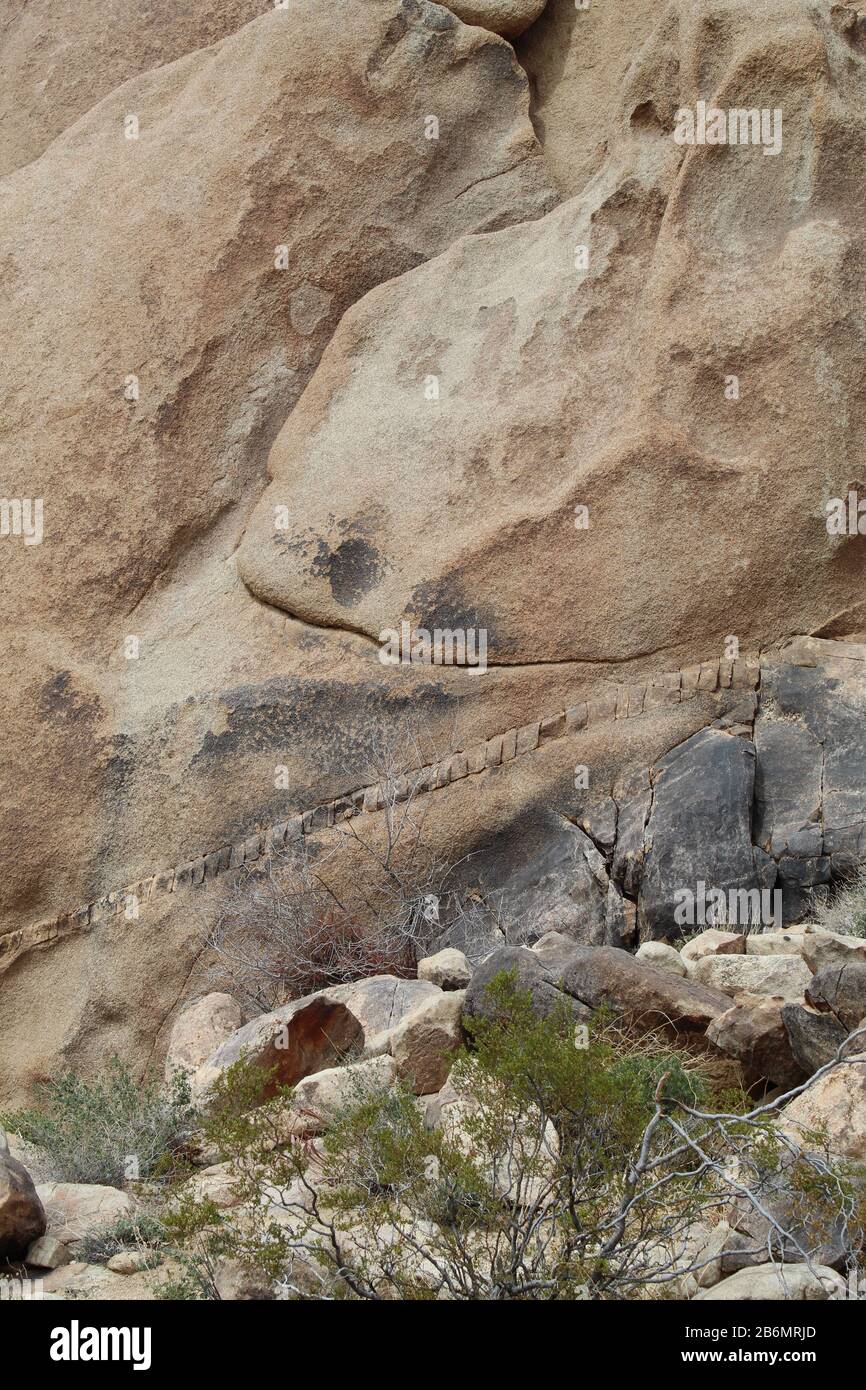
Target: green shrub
(87, 1131)
(142, 1231)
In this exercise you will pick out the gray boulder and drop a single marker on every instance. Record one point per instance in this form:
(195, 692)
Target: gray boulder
(530, 974)
(840, 990)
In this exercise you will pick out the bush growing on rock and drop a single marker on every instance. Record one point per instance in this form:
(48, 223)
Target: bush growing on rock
(86, 1131)
(555, 1171)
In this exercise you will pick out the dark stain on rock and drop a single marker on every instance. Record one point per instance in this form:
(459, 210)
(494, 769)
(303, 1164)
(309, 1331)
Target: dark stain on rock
(59, 699)
(353, 569)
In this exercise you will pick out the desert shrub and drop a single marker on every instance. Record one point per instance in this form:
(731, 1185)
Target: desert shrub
(87, 1131)
(142, 1231)
(846, 911)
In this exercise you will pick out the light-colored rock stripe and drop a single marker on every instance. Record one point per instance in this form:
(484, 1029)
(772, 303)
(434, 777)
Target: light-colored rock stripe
(624, 702)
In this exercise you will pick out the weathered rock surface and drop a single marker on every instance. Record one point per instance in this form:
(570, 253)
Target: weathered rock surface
(777, 1283)
(423, 1045)
(73, 1209)
(754, 1032)
(199, 1030)
(653, 998)
(22, 1218)
(786, 977)
(448, 969)
(305, 1036)
(48, 1253)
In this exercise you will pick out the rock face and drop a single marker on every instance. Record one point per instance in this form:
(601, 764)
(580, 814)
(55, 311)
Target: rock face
(521, 307)
(662, 957)
(303, 255)
(181, 347)
(22, 1218)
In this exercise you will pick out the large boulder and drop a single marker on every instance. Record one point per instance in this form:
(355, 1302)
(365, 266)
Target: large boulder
(777, 1283)
(834, 1107)
(423, 1045)
(74, 1209)
(814, 1036)
(649, 997)
(305, 1036)
(785, 977)
(379, 1002)
(22, 1216)
(753, 1031)
(840, 990)
(199, 1030)
(529, 974)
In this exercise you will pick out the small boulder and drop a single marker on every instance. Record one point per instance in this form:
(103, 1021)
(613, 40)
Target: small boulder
(776, 1283)
(505, 17)
(713, 942)
(132, 1261)
(48, 1253)
(22, 1218)
(423, 1045)
(318, 1096)
(200, 1030)
(449, 969)
(783, 976)
(663, 957)
(821, 949)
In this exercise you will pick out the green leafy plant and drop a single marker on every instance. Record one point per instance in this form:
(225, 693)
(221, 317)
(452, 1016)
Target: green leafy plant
(89, 1131)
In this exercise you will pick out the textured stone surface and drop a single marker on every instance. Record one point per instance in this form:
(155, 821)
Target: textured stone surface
(786, 977)
(305, 1036)
(754, 1032)
(319, 1096)
(200, 1030)
(448, 969)
(777, 1284)
(835, 1105)
(653, 998)
(74, 1209)
(22, 1218)
(506, 17)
